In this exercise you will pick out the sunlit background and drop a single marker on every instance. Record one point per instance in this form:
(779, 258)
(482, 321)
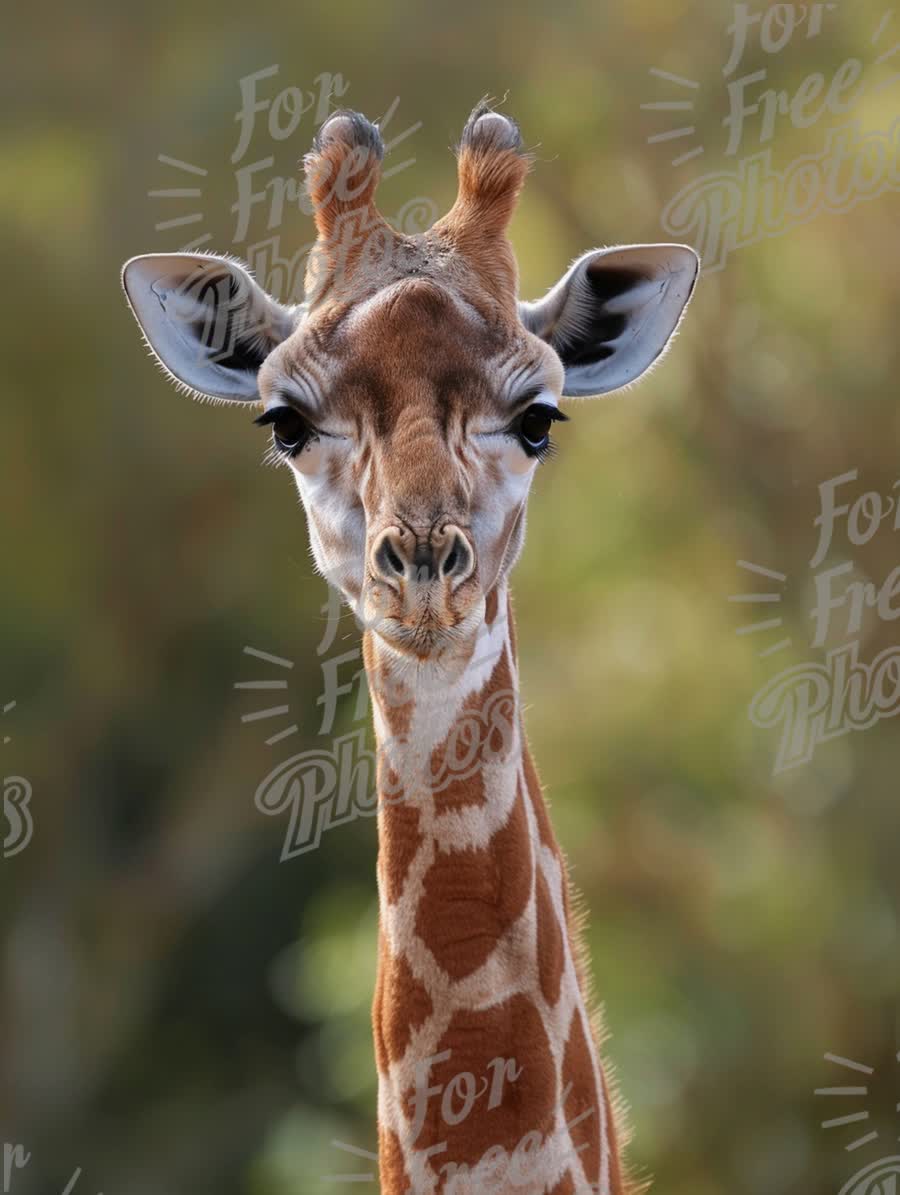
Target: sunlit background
(180, 1012)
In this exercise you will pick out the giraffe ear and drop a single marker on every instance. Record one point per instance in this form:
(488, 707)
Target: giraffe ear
(612, 315)
(207, 320)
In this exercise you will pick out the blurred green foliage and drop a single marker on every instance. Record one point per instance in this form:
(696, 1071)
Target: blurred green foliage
(180, 1012)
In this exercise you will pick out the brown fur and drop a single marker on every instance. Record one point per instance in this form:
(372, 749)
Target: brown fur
(491, 176)
(509, 1029)
(472, 898)
(342, 175)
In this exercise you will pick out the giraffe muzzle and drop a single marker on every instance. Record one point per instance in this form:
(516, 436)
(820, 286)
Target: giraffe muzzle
(407, 562)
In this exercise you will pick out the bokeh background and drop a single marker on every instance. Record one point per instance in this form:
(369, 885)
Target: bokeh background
(180, 1012)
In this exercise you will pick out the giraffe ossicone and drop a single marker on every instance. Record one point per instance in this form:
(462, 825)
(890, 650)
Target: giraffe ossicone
(412, 395)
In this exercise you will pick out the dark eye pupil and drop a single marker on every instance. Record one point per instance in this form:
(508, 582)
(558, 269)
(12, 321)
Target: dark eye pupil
(535, 426)
(290, 429)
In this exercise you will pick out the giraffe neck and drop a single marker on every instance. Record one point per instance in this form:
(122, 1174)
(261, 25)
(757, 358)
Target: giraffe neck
(489, 1079)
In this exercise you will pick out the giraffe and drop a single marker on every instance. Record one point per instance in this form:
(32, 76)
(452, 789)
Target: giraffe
(412, 395)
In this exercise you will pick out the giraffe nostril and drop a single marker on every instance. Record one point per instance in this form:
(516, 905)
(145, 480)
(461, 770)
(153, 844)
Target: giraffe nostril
(402, 556)
(458, 561)
(387, 560)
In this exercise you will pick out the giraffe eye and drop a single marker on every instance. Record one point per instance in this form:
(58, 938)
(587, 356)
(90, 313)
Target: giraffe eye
(290, 430)
(533, 427)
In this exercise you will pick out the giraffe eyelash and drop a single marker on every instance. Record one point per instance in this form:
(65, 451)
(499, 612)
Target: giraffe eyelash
(545, 454)
(291, 430)
(531, 429)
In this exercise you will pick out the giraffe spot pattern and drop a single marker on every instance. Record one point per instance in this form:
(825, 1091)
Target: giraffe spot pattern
(583, 1100)
(482, 732)
(390, 693)
(395, 703)
(490, 607)
(510, 1031)
(464, 792)
(390, 1161)
(399, 839)
(550, 949)
(500, 681)
(461, 909)
(471, 898)
(533, 784)
(408, 1008)
(565, 1186)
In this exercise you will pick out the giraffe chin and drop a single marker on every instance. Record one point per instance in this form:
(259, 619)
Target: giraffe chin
(441, 636)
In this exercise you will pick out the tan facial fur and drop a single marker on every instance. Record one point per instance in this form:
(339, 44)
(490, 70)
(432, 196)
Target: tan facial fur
(412, 365)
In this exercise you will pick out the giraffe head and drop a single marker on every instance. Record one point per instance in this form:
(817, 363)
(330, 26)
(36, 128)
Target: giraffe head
(411, 393)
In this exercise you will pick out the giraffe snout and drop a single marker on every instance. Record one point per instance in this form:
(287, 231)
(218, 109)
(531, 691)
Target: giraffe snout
(404, 559)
